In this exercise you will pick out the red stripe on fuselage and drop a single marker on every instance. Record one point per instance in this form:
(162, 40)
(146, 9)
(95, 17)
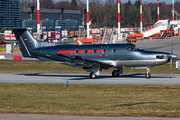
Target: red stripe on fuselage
(67, 51)
(90, 51)
(81, 51)
(99, 51)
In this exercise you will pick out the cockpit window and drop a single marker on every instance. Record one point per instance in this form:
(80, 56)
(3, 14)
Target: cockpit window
(134, 48)
(129, 48)
(139, 48)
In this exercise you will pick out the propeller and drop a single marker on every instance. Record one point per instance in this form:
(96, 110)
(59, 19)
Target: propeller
(171, 61)
(172, 56)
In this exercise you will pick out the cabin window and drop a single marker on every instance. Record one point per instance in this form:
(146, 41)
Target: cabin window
(77, 51)
(104, 50)
(94, 51)
(114, 50)
(85, 51)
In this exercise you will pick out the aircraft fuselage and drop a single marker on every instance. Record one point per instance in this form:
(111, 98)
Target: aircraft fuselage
(115, 54)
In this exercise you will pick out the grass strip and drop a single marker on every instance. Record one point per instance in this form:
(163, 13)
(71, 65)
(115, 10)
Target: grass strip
(44, 67)
(91, 100)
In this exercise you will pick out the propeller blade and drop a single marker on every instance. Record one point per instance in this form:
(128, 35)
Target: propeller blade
(171, 57)
(172, 48)
(171, 63)
(171, 60)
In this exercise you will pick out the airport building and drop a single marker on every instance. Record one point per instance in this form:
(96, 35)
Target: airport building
(10, 13)
(52, 19)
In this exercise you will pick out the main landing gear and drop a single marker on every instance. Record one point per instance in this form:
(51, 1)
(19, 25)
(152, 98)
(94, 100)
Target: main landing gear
(116, 73)
(94, 74)
(148, 75)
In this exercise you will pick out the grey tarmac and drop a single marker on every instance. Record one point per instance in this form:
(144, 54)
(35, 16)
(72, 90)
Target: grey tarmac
(59, 117)
(162, 79)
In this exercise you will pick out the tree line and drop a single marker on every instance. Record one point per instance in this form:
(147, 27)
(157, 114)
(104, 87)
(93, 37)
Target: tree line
(106, 13)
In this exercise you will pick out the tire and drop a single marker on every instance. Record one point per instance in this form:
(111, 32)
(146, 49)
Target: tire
(148, 76)
(93, 76)
(115, 74)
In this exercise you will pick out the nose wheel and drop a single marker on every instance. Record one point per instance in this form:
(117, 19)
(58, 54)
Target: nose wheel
(148, 75)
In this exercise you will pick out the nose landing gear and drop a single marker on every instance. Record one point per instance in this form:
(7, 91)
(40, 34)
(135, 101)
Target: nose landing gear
(148, 75)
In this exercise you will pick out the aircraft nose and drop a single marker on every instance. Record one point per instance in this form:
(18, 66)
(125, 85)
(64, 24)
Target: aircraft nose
(173, 56)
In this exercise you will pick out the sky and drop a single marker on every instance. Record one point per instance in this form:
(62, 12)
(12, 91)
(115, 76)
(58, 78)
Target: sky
(133, 1)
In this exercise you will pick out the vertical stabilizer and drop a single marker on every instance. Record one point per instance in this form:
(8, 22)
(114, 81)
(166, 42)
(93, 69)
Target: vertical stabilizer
(25, 40)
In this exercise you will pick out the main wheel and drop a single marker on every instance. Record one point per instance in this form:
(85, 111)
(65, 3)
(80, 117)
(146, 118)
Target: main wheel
(148, 75)
(92, 75)
(115, 73)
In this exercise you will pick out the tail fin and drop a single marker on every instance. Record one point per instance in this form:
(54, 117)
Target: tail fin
(25, 40)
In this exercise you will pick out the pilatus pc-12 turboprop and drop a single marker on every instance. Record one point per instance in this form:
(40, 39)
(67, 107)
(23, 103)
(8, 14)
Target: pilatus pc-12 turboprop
(94, 57)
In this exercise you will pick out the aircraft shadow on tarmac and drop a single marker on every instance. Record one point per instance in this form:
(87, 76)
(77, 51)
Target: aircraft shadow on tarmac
(102, 76)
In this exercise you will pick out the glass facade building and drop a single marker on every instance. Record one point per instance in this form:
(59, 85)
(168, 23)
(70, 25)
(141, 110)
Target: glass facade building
(10, 13)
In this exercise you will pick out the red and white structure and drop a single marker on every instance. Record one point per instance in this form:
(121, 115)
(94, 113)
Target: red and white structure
(158, 10)
(172, 9)
(140, 16)
(38, 16)
(119, 25)
(87, 18)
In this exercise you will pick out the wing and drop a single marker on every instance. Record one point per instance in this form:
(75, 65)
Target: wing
(86, 64)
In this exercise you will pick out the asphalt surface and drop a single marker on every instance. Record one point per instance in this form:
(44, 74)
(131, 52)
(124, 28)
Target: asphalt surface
(162, 79)
(56, 117)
